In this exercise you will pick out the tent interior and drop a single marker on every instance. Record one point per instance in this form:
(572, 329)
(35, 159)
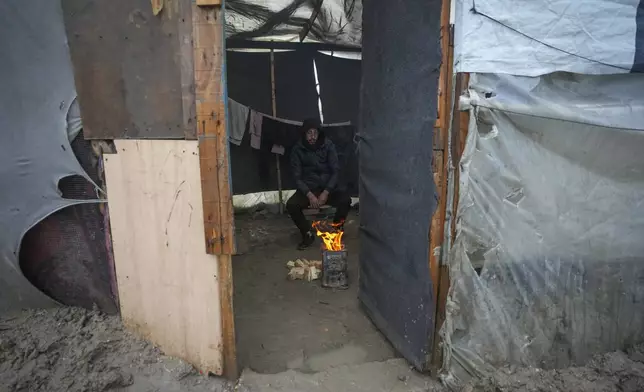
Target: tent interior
(282, 323)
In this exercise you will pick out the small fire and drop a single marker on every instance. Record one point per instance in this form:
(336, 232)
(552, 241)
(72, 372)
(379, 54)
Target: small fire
(331, 234)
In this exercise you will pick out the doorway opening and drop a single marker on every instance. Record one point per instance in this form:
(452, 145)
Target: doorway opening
(294, 323)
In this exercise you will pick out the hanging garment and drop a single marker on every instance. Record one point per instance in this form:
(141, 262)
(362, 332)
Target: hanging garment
(255, 129)
(238, 115)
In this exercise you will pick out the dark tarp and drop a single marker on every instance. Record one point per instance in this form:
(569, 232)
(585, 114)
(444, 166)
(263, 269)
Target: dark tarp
(249, 83)
(296, 98)
(295, 93)
(256, 170)
(339, 88)
(401, 58)
(248, 78)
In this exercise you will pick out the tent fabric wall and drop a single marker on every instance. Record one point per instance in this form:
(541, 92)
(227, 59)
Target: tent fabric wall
(549, 211)
(295, 93)
(534, 38)
(35, 99)
(397, 115)
(248, 77)
(339, 87)
(296, 100)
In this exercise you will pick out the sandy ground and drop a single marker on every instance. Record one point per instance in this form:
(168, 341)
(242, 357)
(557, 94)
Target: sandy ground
(320, 336)
(612, 372)
(298, 325)
(71, 349)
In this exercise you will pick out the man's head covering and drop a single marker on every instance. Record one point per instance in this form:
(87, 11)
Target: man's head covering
(311, 123)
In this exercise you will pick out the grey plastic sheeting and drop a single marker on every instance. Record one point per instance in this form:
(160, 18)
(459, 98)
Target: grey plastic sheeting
(538, 37)
(37, 91)
(551, 190)
(401, 58)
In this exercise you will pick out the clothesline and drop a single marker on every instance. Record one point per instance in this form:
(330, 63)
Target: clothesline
(242, 117)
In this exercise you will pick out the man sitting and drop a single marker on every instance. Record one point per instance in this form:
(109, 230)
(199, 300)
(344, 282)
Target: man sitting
(315, 166)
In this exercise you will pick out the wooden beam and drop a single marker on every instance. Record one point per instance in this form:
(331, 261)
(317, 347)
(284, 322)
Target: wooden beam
(440, 170)
(277, 157)
(236, 43)
(208, 37)
(231, 368)
(208, 24)
(208, 3)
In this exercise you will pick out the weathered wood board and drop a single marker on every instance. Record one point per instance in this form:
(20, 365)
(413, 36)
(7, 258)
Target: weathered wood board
(133, 69)
(169, 287)
(208, 35)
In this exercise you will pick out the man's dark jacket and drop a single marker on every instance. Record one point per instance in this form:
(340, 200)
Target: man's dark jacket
(315, 167)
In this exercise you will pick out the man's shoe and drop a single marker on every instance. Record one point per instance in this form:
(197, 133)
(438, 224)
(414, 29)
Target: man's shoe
(307, 241)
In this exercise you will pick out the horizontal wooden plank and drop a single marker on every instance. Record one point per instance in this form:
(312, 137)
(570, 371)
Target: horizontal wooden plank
(205, 3)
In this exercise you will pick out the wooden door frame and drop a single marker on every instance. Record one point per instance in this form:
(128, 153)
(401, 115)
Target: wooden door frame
(211, 105)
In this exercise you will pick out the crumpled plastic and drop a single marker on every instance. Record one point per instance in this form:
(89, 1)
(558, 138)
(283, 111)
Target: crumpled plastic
(550, 213)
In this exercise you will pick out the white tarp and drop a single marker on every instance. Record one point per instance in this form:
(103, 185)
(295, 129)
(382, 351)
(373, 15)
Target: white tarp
(551, 190)
(538, 37)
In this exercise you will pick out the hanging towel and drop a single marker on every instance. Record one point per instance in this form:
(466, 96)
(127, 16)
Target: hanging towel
(255, 126)
(238, 114)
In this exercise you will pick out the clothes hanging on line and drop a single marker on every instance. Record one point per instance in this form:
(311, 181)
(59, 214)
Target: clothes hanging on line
(237, 117)
(255, 129)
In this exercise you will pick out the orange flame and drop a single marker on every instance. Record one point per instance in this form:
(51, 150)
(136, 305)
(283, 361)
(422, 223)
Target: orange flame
(331, 234)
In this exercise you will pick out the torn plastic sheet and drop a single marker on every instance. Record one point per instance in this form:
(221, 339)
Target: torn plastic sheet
(38, 89)
(550, 211)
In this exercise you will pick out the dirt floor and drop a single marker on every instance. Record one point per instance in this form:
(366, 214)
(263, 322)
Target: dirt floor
(612, 372)
(298, 325)
(71, 349)
(321, 336)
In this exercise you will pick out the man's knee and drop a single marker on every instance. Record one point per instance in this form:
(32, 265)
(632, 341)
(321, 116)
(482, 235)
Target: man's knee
(292, 204)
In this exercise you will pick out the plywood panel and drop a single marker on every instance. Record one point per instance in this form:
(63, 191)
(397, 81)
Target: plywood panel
(168, 284)
(133, 69)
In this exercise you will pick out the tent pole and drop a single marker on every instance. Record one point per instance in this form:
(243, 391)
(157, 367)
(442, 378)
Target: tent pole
(277, 157)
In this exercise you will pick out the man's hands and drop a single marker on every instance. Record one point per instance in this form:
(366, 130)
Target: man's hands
(313, 201)
(323, 198)
(318, 201)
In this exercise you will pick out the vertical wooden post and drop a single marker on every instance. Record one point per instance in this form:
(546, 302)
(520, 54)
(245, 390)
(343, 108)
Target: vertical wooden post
(209, 56)
(440, 169)
(277, 157)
